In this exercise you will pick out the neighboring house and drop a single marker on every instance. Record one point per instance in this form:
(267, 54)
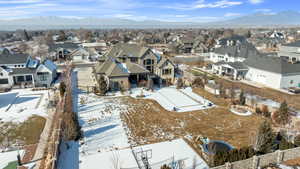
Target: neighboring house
(46, 73)
(234, 53)
(236, 70)
(133, 64)
(186, 45)
(23, 71)
(80, 54)
(231, 41)
(62, 51)
(273, 72)
(6, 81)
(290, 51)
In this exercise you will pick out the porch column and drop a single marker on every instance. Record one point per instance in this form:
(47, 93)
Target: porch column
(33, 82)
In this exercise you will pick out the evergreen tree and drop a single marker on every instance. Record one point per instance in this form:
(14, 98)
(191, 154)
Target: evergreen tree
(265, 138)
(242, 98)
(102, 85)
(282, 115)
(26, 36)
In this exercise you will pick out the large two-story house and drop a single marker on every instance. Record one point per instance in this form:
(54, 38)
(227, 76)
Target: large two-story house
(290, 51)
(20, 70)
(131, 64)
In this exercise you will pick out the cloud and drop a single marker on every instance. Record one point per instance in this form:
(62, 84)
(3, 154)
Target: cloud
(232, 14)
(263, 10)
(20, 1)
(256, 1)
(202, 4)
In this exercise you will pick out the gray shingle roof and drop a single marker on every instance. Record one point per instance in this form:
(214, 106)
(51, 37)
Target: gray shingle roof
(272, 64)
(13, 58)
(21, 71)
(243, 51)
(70, 46)
(127, 50)
(113, 68)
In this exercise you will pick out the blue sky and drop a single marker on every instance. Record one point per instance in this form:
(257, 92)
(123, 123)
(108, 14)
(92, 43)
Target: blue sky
(166, 10)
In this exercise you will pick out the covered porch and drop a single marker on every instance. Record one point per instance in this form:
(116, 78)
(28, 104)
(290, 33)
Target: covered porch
(24, 81)
(138, 79)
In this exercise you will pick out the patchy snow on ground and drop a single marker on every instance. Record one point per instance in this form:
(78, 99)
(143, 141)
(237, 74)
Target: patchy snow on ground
(7, 157)
(176, 152)
(19, 105)
(170, 98)
(101, 124)
(171, 152)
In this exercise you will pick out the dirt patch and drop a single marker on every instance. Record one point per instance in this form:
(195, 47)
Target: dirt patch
(294, 162)
(149, 123)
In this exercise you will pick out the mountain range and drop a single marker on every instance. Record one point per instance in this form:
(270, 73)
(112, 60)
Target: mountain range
(285, 18)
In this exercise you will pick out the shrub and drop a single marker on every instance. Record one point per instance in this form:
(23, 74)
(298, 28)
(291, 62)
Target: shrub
(297, 141)
(102, 85)
(179, 84)
(265, 111)
(62, 89)
(284, 144)
(198, 83)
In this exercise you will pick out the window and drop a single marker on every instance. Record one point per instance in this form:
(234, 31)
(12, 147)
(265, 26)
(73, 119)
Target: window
(134, 60)
(43, 76)
(3, 81)
(28, 78)
(292, 81)
(20, 78)
(167, 71)
(150, 68)
(1, 74)
(148, 62)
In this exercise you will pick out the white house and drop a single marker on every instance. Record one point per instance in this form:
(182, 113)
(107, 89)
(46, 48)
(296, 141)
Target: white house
(273, 72)
(290, 51)
(234, 53)
(23, 71)
(236, 70)
(6, 81)
(46, 73)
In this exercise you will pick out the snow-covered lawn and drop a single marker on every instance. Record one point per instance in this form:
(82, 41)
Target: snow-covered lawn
(159, 154)
(101, 124)
(8, 157)
(18, 105)
(182, 100)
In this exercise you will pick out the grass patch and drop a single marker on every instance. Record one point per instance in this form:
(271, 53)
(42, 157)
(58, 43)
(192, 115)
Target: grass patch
(26, 133)
(12, 165)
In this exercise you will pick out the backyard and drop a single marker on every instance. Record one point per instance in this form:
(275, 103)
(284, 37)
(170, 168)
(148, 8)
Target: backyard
(149, 122)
